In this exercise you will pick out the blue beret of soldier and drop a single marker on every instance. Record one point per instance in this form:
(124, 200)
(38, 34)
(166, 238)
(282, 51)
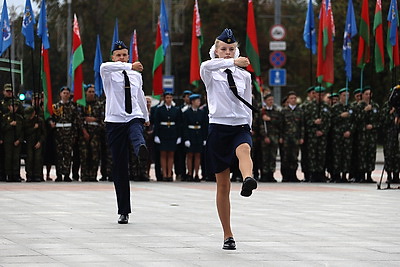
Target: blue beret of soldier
(118, 45)
(187, 92)
(344, 90)
(87, 86)
(167, 93)
(64, 88)
(227, 36)
(311, 88)
(319, 89)
(194, 96)
(357, 91)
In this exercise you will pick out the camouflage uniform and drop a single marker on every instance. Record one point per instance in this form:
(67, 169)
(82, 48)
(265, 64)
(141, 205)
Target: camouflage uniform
(66, 117)
(11, 134)
(391, 149)
(304, 154)
(367, 139)
(90, 150)
(341, 146)
(2, 174)
(106, 158)
(292, 130)
(270, 131)
(34, 133)
(316, 146)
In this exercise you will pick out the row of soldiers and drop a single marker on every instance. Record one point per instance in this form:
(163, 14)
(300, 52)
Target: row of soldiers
(335, 136)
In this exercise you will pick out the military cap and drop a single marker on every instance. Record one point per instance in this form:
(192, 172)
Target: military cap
(291, 93)
(319, 89)
(344, 90)
(334, 95)
(29, 111)
(366, 88)
(267, 95)
(7, 87)
(311, 88)
(187, 92)
(64, 88)
(227, 36)
(118, 45)
(87, 86)
(194, 96)
(357, 91)
(284, 100)
(167, 93)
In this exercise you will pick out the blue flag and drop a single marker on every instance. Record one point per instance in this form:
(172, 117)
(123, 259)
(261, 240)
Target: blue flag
(98, 59)
(394, 22)
(42, 30)
(350, 30)
(28, 22)
(5, 29)
(309, 33)
(164, 26)
(115, 35)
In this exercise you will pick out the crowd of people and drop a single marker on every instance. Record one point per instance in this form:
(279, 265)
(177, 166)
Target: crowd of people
(334, 135)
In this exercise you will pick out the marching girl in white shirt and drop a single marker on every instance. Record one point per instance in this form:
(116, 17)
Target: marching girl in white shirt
(229, 137)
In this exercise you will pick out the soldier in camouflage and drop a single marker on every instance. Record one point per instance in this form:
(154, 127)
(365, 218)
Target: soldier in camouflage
(342, 129)
(65, 119)
(270, 123)
(291, 138)
(317, 120)
(12, 132)
(89, 141)
(35, 136)
(391, 149)
(304, 153)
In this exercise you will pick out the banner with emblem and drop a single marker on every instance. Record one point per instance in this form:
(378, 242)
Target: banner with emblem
(6, 40)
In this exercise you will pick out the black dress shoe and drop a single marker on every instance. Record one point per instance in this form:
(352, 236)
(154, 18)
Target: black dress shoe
(248, 186)
(123, 219)
(229, 244)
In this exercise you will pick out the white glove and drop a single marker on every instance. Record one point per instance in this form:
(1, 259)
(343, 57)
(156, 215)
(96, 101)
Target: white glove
(157, 140)
(204, 142)
(178, 141)
(187, 143)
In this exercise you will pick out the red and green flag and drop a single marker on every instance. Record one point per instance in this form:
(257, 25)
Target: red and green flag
(46, 83)
(76, 62)
(378, 33)
(326, 33)
(364, 41)
(197, 42)
(251, 41)
(157, 64)
(392, 42)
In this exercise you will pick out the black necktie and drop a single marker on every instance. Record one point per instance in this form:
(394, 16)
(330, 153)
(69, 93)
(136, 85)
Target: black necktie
(128, 97)
(232, 86)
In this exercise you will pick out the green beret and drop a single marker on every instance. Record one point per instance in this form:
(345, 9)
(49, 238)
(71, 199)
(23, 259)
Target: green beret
(29, 111)
(319, 89)
(344, 90)
(7, 87)
(267, 95)
(366, 88)
(334, 95)
(357, 91)
(311, 88)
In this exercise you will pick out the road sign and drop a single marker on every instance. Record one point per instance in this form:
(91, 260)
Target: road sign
(277, 77)
(278, 32)
(168, 84)
(277, 45)
(277, 59)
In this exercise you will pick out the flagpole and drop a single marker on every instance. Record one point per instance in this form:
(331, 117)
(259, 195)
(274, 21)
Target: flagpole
(311, 57)
(362, 78)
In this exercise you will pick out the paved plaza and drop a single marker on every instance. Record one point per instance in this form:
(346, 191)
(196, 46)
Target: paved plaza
(176, 224)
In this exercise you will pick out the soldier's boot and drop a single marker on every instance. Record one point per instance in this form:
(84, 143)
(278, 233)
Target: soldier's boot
(58, 179)
(306, 176)
(335, 178)
(313, 176)
(360, 178)
(271, 178)
(369, 178)
(67, 179)
(293, 176)
(263, 177)
(29, 179)
(389, 178)
(344, 179)
(396, 179)
(285, 176)
(321, 177)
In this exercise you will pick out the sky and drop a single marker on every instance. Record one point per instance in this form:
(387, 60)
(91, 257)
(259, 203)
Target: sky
(20, 4)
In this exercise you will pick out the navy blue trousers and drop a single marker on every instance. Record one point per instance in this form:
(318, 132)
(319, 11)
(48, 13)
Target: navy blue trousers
(119, 136)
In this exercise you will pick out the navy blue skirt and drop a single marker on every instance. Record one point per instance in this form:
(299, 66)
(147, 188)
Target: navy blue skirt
(222, 142)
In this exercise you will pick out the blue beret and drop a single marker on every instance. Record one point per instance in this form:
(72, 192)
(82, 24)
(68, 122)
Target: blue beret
(227, 36)
(194, 96)
(64, 88)
(187, 92)
(87, 86)
(118, 45)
